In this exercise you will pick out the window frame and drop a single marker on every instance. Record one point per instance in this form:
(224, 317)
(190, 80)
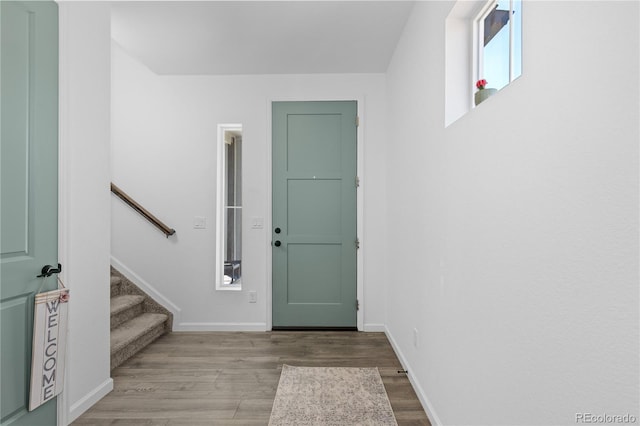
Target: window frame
(221, 207)
(478, 50)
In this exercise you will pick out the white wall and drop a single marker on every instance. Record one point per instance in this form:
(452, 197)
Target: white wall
(164, 133)
(519, 222)
(85, 200)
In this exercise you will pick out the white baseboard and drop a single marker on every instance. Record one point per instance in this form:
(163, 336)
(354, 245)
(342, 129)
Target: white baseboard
(426, 404)
(89, 400)
(375, 328)
(148, 288)
(248, 326)
(220, 326)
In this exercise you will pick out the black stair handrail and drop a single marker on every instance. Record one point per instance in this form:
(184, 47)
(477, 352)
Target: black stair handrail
(144, 212)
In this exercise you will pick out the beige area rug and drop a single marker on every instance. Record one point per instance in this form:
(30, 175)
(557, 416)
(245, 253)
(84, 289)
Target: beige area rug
(331, 396)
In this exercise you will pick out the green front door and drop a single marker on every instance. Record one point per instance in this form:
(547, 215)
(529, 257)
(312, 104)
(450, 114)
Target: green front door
(314, 215)
(29, 199)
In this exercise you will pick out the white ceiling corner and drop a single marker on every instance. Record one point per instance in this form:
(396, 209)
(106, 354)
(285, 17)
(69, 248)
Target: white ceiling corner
(260, 37)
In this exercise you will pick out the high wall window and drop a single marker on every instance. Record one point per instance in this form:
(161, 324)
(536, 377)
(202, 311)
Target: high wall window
(483, 41)
(229, 208)
(499, 42)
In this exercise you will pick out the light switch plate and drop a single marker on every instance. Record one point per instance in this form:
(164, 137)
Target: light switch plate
(199, 222)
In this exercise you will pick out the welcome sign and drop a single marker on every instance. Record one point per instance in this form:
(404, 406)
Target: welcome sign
(49, 344)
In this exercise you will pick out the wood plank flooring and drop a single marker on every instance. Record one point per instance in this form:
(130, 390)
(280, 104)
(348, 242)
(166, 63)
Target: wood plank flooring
(225, 378)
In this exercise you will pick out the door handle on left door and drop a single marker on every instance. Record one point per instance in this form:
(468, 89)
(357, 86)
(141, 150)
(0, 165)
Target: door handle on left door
(277, 243)
(48, 270)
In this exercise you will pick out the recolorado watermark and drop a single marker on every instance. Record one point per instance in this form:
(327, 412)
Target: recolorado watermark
(590, 418)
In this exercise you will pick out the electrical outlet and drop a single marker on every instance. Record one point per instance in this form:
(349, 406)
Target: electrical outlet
(415, 337)
(253, 296)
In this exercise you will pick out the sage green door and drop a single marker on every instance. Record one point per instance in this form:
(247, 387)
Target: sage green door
(314, 215)
(29, 185)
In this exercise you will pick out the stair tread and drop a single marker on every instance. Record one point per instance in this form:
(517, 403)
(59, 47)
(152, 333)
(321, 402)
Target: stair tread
(126, 301)
(134, 329)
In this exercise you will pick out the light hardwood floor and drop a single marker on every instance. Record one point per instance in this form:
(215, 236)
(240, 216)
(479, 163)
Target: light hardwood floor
(226, 378)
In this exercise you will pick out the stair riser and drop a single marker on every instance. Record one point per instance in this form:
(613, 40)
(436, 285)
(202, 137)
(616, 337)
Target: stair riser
(126, 315)
(120, 285)
(134, 324)
(133, 348)
(116, 287)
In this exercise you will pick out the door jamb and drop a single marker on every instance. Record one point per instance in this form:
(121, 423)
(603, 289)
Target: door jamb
(359, 201)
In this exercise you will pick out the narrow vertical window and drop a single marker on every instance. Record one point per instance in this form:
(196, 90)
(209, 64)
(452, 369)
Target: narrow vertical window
(229, 208)
(499, 43)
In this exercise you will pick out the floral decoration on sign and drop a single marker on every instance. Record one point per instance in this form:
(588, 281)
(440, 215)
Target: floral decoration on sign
(480, 84)
(64, 297)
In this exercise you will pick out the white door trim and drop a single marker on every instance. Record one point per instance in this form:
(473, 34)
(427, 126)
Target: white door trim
(360, 99)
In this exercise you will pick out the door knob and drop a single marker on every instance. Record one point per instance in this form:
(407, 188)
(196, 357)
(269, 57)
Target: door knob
(277, 244)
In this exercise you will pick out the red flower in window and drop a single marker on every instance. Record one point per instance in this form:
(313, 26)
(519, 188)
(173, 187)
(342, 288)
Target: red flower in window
(481, 83)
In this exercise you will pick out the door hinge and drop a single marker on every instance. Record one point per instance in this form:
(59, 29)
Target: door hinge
(357, 121)
(357, 305)
(357, 243)
(357, 182)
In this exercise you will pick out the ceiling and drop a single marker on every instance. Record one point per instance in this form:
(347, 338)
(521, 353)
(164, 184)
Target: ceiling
(260, 37)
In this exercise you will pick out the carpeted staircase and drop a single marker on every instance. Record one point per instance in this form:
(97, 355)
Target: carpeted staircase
(136, 319)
